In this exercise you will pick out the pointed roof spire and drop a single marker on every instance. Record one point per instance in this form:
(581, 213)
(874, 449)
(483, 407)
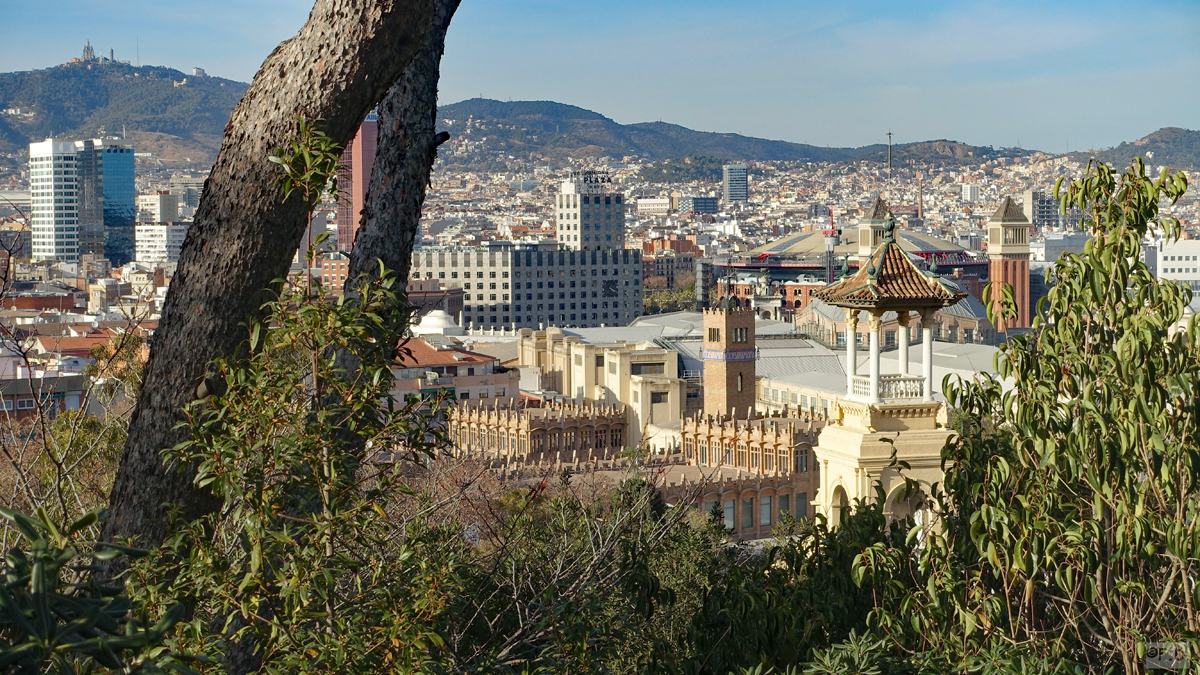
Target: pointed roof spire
(879, 212)
(1009, 212)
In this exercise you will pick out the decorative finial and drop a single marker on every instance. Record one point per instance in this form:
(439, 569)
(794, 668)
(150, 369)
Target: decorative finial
(871, 270)
(889, 229)
(846, 265)
(933, 267)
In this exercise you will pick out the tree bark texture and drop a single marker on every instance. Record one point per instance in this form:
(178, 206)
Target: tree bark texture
(337, 68)
(403, 161)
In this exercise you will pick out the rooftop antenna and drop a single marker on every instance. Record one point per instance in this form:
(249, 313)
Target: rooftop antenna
(920, 197)
(889, 178)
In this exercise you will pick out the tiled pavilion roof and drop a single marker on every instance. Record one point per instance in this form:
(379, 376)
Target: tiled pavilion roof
(890, 280)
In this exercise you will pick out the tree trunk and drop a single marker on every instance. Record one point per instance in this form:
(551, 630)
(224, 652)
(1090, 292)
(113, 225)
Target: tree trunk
(244, 234)
(403, 161)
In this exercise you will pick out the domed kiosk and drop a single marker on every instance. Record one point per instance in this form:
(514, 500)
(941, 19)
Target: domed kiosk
(437, 322)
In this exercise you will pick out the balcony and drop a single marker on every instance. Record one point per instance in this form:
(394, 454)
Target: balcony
(891, 387)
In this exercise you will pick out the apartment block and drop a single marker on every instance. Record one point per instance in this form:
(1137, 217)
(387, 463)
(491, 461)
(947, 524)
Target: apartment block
(161, 207)
(82, 199)
(158, 243)
(522, 286)
(735, 183)
(588, 216)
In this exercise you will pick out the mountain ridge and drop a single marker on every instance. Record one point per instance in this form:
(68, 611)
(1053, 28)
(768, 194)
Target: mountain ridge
(1175, 147)
(182, 118)
(538, 126)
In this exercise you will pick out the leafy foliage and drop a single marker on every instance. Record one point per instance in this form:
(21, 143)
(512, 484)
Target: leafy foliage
(679, 299)
(1067, 519)
(302, 561)
(57, 616)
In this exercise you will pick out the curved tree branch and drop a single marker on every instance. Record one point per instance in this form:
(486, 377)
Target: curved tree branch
(407, 149)
(244, 235)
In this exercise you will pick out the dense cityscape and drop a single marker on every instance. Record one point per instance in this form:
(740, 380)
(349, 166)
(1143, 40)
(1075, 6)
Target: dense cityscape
(788, 368)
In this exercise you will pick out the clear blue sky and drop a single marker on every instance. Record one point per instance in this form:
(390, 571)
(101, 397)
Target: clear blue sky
(1046, 73)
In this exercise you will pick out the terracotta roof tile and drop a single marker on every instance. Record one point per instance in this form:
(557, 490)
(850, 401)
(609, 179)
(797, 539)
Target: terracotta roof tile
(424, 354)
(896, 282)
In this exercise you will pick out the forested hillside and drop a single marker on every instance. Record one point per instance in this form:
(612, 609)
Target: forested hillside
(77, 100)
(1169, 146)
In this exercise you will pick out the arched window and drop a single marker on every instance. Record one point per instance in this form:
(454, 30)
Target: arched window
(739, 381)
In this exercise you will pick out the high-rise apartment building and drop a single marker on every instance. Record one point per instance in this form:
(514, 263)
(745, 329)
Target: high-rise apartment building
(55, 193)
(590, 216)
(1041, 210)
(159, 243)
(970, 193)
(162, 207)
(735, 183)
(82, 199)
(508, 286)
(354, 176)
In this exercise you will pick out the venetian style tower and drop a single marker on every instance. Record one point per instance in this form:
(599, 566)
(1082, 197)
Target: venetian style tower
(870, 228)
(884, 412)
(729, 361)
(1008, 257)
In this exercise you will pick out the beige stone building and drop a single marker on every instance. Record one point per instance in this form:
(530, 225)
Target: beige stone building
(428, 366)
(565, 433)
(642, 378)
(753, 471)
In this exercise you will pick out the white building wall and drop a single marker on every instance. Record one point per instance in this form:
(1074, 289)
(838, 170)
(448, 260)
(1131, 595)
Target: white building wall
(159, 243)
(1177, 261)
(54, 200)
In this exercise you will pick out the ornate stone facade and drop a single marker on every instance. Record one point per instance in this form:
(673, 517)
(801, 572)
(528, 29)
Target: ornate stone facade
(754, 470)
(558, 432)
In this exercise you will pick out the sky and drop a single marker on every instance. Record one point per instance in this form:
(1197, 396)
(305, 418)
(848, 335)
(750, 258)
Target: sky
(1044, 75)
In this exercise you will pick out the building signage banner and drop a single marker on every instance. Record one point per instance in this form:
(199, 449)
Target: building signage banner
(721, 355)
(592, 182)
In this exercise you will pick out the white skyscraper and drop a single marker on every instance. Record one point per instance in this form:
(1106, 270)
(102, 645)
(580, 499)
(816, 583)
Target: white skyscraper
(970, 192)
(82, 199)
(735, 183)
(55, 193)
(589, 216)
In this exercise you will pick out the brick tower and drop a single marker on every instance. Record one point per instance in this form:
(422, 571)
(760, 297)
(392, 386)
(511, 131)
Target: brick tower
(1008, 257)
(729, 361)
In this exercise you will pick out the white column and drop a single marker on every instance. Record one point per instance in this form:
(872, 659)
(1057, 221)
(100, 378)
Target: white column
(876, 324)
(902, 331)
(851, 349)
(927, 352)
